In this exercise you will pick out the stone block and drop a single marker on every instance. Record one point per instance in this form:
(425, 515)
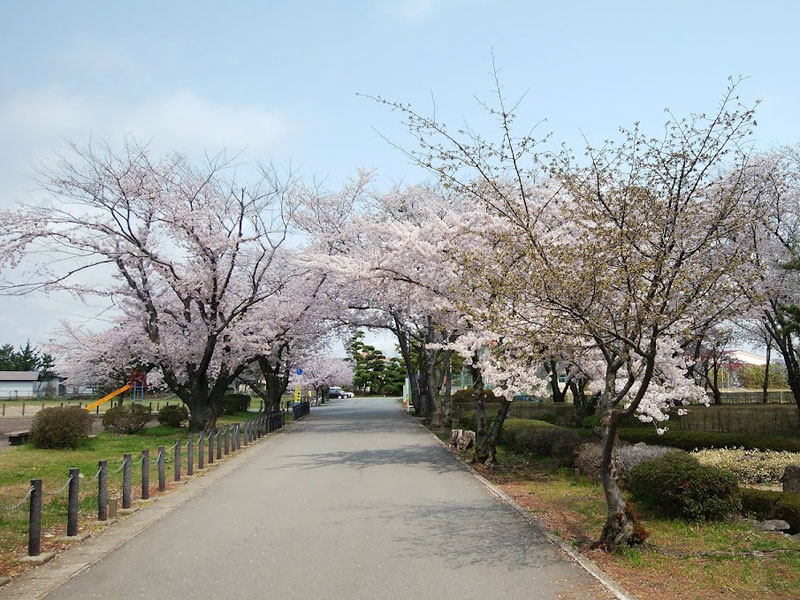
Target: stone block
(791, 479)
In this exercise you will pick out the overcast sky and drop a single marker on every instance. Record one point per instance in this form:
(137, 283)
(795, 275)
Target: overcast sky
(279, 80)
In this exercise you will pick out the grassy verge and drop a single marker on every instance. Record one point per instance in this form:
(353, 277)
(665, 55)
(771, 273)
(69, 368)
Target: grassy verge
(21, 464)
(682, 560)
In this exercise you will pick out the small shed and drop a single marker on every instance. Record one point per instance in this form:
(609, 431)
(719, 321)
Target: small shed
(19, 384)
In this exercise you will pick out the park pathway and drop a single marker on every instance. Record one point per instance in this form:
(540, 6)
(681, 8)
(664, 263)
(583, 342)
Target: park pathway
(355, 502)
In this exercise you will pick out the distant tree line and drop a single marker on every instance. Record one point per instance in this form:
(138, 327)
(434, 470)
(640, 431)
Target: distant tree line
(27, 358)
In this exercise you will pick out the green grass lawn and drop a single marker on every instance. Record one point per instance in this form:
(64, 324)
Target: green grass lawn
(19, 465)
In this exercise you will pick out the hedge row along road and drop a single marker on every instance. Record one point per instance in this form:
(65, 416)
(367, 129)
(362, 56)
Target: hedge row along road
(356, 501)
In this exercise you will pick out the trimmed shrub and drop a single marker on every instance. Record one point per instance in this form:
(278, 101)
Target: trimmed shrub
(547, 417)
(677, 485)
(541, 439)
(589, 457)
(469, 419)
(233, 403)
(698, 440)
(128, 418)
(766, 504)
(467, 396)
(60, 427)
(173, 415)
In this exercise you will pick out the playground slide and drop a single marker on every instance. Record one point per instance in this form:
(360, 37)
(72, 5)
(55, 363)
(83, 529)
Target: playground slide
(104, 399)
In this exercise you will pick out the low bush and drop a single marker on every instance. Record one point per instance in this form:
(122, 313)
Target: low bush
(233, 403)
(60, 427)
(698, 440)
(765, 504)
(541, 439)
(467, 396)
(173, 415)
(677, 485)
(547, 417)
(750, 466)
(469, 419)
(127, 418)
(589, 457)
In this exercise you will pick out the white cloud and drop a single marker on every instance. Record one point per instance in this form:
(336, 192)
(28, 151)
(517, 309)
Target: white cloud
(35, 123)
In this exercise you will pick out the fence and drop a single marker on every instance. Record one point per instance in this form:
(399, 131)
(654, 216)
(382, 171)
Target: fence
(300, 410)
(218, 443)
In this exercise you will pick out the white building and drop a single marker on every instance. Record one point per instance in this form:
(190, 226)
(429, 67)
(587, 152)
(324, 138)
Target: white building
(19, 384)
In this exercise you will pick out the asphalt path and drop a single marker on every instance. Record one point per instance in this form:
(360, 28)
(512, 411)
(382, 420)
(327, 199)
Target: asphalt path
(357, 501)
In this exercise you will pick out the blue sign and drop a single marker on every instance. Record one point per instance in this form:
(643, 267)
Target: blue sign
(299, 371)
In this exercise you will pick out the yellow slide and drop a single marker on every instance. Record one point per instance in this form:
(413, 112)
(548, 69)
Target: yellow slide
(104, 399)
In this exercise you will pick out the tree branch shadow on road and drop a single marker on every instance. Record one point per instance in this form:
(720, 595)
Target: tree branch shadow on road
(429, 457)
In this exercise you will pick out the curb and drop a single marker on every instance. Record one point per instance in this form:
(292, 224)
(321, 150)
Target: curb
(73, 561)
(590, 567)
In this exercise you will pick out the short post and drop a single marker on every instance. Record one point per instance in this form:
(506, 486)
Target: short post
(145, 474)
(126, 481)
(102, 490)
(23, 409)
(72, 502)
(190, 456)
(97, 410)
(35, 519)
(4, 409)
(219, 444)
(201, 454)
(244, 434)
(227, 440)
(177, 453)
(162, 473)
(151, 407)
(237, 436)
(211, 447)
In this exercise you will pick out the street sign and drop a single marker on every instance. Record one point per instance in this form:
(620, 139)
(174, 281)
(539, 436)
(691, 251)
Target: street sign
(299, 371)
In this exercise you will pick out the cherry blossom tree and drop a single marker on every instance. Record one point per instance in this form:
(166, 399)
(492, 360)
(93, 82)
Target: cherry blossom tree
(613, 254)
(185, 253)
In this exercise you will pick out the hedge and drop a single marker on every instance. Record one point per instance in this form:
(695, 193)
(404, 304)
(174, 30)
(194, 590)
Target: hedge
(765, 504)
(677, 485)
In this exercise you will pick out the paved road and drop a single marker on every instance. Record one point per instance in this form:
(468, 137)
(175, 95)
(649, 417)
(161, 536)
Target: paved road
(355, 502)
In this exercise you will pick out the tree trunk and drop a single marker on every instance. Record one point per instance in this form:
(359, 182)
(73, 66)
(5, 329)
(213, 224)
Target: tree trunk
(488, 453)
(413, 381)
(715, 385)
(559, 395)
(447, 405)
(481, 429)
(433, 390)
(765, 390)
(585, 406)
(621, 526)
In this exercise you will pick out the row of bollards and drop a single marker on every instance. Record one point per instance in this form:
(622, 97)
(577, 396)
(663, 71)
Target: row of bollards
(228, 439)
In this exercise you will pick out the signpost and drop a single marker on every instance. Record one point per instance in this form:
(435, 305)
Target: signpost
(297, 387)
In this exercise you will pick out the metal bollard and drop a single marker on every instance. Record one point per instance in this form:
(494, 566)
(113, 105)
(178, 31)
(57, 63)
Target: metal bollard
(102, 491)
(190, 456)
(162, 473)
(145, 474)
(126, 481)
(211, 447)
(177, 472)
(219, 444)
(72, 502)
(35, 519)
(227, 440)
(201, 454)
